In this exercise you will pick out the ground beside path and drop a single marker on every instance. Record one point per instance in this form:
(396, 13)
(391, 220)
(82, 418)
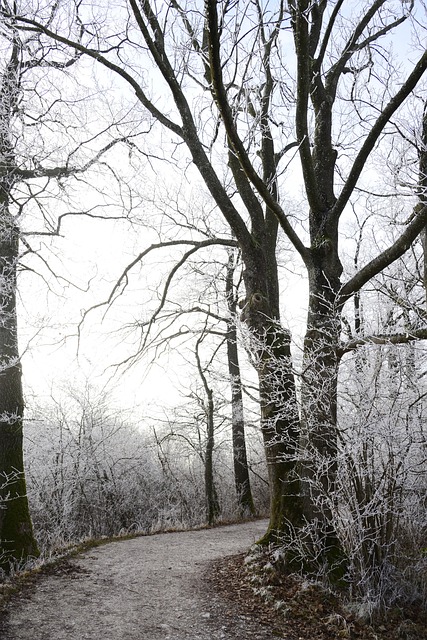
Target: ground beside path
(147, 588)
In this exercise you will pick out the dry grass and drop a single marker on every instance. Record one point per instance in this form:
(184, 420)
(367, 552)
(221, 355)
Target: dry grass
(296, 609)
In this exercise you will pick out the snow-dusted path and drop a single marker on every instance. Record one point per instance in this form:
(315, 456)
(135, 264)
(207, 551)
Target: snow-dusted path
(148, 588)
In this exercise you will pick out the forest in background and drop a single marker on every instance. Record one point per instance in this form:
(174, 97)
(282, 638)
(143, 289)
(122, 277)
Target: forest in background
(91, 472)
(219, 167)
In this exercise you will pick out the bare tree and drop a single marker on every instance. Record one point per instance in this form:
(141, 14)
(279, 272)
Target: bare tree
(240, 458)
(302, 88)
(213, 508)
(207, 317)
(198, 296)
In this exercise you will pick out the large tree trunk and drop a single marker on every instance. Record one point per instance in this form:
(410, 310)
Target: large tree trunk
(271, 354)
(16, 533)
(319, 438)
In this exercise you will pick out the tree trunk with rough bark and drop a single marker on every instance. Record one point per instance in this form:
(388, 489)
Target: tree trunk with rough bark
(17, 541)
(16, 533)
(212, 505)
(319, 437)
(270, 351)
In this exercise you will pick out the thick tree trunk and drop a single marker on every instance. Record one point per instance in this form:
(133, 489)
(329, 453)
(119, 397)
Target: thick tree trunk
(280, 429)
(16, 533)
(270, 350)
(319, 438)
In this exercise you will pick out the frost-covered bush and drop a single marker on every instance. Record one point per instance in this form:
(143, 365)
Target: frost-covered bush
(90, 473)
(382, 482)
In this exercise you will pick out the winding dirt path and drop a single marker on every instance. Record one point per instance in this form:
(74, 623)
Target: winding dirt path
(148, 588)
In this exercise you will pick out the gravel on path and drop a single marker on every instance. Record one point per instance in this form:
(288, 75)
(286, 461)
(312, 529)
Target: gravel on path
(146, 588)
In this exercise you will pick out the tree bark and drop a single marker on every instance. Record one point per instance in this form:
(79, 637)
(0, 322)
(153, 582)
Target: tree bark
(319, 441)
(17, 541)
(422, 192)
(271, 355)
(240, 460)
(212, 504)
(16, 533)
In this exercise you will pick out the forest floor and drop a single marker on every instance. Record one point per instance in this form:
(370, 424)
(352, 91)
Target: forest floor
(192, 585)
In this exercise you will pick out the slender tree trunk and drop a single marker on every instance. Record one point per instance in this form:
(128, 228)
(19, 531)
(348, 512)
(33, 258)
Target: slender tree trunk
(424, 245)
(240, 461)
(212, 504)
(422, 192)
(16, 532)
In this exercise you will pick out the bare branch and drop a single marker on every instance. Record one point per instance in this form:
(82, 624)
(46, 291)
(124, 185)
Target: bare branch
(236, 143)
(299, 12)
(96, 55)
(64, 171)
(398, 338)
(122, 281)
(375, 132)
